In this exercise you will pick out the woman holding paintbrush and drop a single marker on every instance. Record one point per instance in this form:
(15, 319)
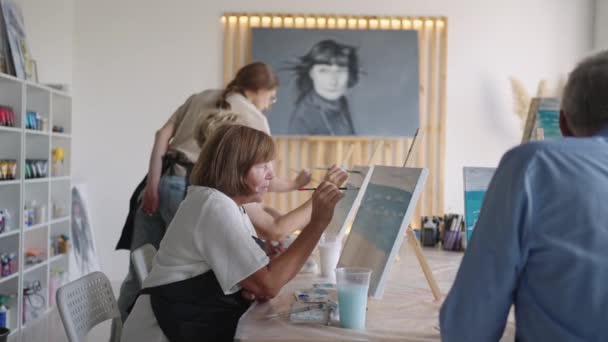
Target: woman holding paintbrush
(208, 267)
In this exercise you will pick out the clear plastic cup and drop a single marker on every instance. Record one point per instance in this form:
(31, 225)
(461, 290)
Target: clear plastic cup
(329, 254)
(353, 285)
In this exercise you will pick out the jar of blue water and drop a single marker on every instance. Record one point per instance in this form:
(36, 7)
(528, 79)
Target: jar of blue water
(353, 285)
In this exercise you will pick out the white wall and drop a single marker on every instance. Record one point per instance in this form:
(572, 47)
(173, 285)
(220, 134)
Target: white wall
(135, 61)
(50, 32)
(601, 25)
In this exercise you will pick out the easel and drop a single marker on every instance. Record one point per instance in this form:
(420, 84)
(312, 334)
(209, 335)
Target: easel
(531, 129)
(411, 237)
(415, 244)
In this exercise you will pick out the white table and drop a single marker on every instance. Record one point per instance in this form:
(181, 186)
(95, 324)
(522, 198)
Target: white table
(407, 311)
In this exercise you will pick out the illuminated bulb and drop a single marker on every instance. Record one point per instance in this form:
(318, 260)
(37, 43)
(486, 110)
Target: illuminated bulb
(396, 23)
(417, 23)
(429, 23)
(341, 22)
(288, 21)
(276, 21)
(384, 23)
(362, 22)
(331, 22)
(232, 19)
(352, 22)
(265, 20)
(299, 21)
(439, 23)
(223, 20)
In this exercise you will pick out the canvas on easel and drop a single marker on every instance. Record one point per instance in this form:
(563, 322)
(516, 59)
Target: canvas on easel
(347, 207)
(383, 216)
(476, 182)
(543, 120)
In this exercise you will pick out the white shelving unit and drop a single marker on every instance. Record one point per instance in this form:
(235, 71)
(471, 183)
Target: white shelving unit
(21, 144)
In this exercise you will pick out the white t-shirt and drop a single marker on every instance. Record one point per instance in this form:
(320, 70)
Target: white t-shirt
(209, 232)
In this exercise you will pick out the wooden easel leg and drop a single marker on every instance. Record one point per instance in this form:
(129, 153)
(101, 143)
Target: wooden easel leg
(428, 274)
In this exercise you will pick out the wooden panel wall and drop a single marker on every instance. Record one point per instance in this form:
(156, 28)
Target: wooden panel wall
(307, 152)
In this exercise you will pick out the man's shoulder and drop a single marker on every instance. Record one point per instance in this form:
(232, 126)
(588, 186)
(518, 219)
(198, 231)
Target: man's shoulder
(523, 154)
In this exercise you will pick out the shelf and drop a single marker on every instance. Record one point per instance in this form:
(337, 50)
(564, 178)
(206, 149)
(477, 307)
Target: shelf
(12, 276)
(9, 233)
(10, 77)
(35, 227)
(61, 135)
(9, 182)
(60, 92)
(31, 268)
(57, 257)
(21, 143)
(60, 220)
(61, 178)
(36, 180)
(35, 132)
(10, 129)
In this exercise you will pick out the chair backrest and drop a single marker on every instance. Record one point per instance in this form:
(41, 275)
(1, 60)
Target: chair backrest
(142, 259)
(86, 302)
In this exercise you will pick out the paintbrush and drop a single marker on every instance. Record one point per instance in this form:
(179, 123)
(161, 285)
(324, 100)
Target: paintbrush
(313, 189)
(327, 168)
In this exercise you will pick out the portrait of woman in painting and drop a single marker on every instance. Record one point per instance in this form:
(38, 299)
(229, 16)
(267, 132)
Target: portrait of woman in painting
(323, 77)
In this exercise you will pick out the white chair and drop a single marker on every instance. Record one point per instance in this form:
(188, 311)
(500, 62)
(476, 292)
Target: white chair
(86, 302)
(142, 259)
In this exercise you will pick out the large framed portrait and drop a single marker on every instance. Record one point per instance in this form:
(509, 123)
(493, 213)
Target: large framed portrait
(342, 82)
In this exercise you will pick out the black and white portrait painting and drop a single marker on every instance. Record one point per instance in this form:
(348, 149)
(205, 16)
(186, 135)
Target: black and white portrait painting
(84, 254)
(342, 82)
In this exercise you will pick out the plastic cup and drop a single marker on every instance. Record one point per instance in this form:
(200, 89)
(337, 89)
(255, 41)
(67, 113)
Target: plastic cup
(353, 285)
(329, 252)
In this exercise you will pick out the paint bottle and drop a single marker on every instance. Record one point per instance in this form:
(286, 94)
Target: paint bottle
(3, 317)
(26, 215)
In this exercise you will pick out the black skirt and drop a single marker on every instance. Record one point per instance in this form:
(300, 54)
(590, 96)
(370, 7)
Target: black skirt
(196, 309)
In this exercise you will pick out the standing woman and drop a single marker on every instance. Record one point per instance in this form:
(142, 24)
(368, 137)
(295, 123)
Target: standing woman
(209, 266)
(323, 76)
(175, 150)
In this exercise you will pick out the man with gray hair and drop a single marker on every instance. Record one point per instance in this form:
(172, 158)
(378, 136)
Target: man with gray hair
(541, 240)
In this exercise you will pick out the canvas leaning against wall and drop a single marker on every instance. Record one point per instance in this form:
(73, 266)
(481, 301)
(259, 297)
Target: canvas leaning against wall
(342, 82)
(15, 49)
(83, 259)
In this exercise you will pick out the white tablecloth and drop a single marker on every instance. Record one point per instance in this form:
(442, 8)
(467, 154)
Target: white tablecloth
(406, 312)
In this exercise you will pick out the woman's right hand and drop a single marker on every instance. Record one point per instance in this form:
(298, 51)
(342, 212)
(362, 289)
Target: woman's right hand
(150, 200)
(324, 201)
(336, 175)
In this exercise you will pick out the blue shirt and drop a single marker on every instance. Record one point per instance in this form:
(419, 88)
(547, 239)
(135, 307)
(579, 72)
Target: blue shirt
(541, 244)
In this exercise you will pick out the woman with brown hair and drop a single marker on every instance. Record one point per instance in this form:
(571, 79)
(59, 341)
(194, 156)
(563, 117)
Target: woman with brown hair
(209, 265)
(158, 196)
